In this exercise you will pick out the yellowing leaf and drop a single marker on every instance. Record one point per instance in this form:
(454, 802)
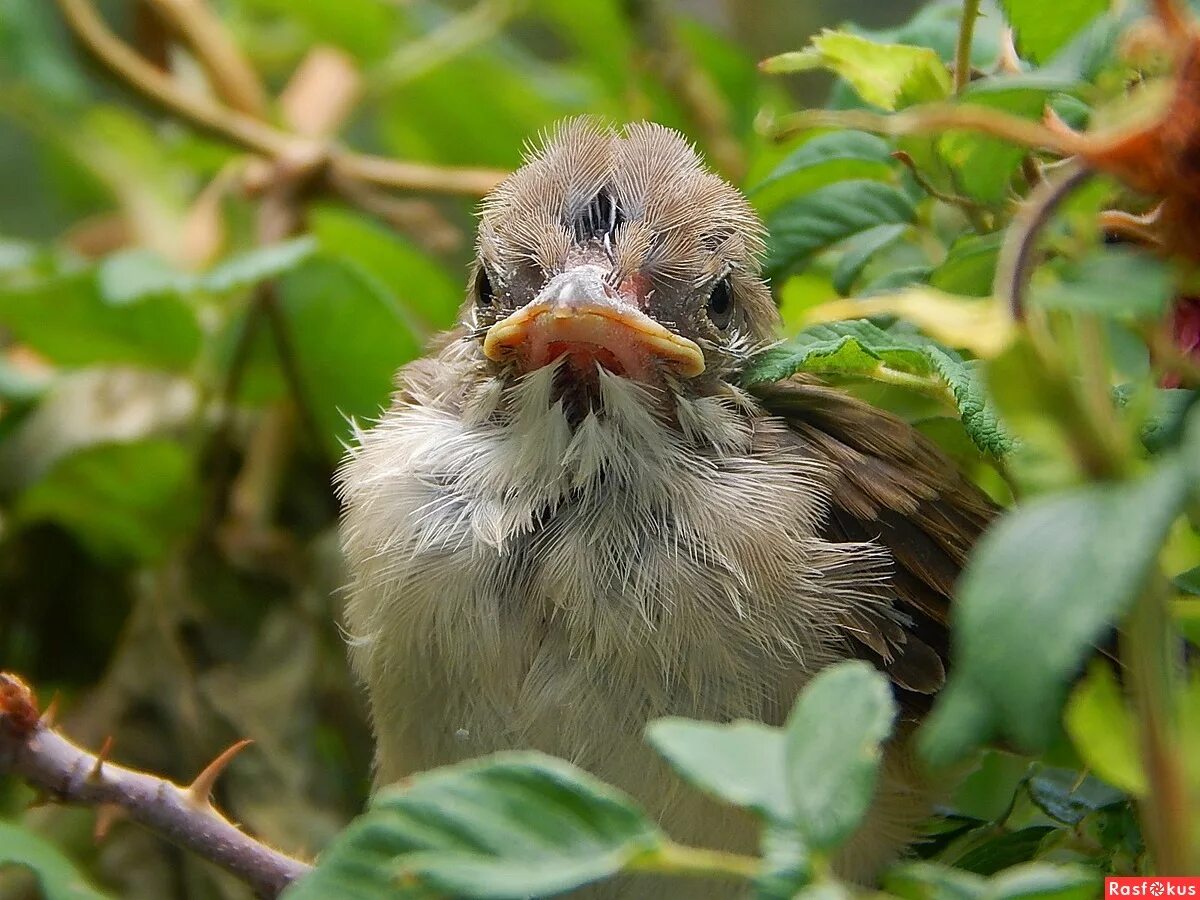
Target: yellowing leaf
(1104, 732)
(890, 76)
(980, 326)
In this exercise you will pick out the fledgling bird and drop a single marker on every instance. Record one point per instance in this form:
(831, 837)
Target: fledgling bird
(572, 520)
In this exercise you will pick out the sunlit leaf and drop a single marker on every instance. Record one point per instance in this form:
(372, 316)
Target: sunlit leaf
(1104, 731)
(890, 76)
(1042, 28)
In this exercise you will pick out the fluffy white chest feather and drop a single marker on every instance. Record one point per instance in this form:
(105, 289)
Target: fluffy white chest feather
(522, 583)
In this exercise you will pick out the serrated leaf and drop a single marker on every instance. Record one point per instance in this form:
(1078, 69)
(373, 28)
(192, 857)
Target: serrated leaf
(126, 502)
(983, 327)
(1104, 731)
(820, 219)
(821, 160)
(862, 349)
(348, 338)
(741, 763)
(1117, 282)
(68, 319)
(1050, 577)
(55, 873)
(510, 825)
(832, 748)
(889, 76)
(1043, 28)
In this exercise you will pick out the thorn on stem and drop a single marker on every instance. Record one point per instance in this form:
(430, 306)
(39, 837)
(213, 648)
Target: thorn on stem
(50, 714)
(199, 792)
(101, 759)
(107, 815)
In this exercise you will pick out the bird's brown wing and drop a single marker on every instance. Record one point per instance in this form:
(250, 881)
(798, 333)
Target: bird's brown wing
(892, 485)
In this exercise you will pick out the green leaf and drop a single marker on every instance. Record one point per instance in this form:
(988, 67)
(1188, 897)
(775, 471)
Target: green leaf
(510, 825)
(983, 166)
(1031, 881)
(1042, 28)
(1189, 581)
(1044, 881)
(126, 502)
(1104, 731)
(1115, 281)
(1069, 797)
(56, 874)
(1050, 577)
(857, 252)
(427, 294)
(259, 264)
(741, 763)
(348, 339)
(890, 76)
(821, 160)
(817, 220)
(833, 741)
(970, 265)
(137, 274)
(69, 320)
(862, 349)
(1003, 850)
(932, 881)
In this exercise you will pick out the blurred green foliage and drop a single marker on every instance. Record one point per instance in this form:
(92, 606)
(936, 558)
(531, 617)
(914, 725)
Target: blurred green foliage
(175, 391)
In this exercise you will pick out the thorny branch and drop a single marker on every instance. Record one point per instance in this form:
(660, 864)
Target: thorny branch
(31, 749)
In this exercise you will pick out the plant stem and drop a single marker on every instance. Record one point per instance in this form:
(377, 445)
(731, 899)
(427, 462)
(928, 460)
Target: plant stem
(962, 50)
(680, 859)
(1148, 651)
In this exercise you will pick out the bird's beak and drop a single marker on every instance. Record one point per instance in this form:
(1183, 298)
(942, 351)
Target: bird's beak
(579, 314)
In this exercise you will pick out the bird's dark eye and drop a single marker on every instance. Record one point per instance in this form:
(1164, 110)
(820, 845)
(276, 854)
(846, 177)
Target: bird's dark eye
(720, 304)
(484, 294)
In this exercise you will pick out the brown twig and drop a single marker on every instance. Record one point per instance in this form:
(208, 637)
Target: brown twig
(228, 70)
(35, 752)
(932, 118)
(253, 134)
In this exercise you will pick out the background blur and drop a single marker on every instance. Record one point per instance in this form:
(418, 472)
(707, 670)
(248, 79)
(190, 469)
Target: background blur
(168, 429)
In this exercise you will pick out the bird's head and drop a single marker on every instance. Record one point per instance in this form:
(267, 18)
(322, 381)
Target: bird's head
(621, 252)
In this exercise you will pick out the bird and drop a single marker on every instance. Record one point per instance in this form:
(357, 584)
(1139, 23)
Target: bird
(573, 519)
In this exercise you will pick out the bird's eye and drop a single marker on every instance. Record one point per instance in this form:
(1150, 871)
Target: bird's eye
(484, 293)
(720, 304)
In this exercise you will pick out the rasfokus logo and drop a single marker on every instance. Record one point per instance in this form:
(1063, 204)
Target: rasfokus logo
(1149, 886)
